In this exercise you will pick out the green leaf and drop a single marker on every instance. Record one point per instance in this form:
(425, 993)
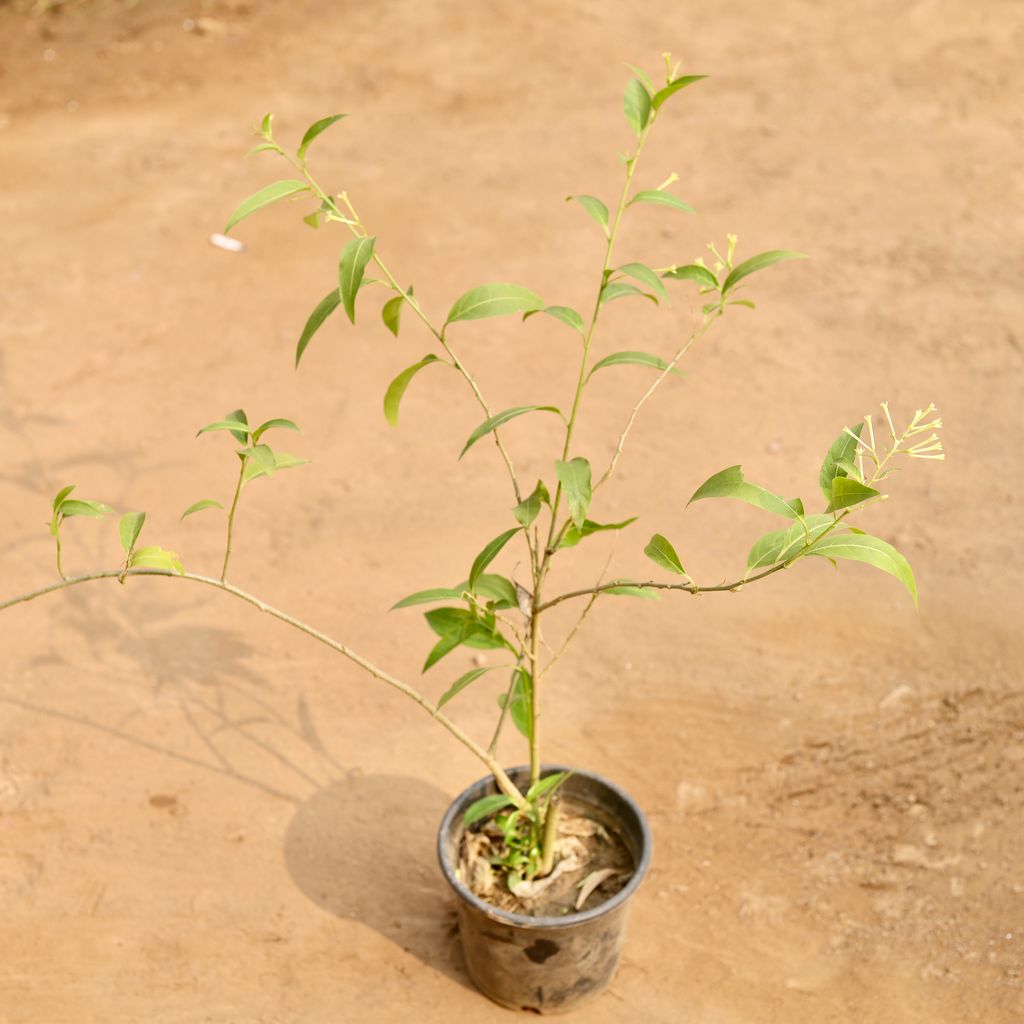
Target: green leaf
(428, 596)
(758, 262)
(673, 87)
(842, 451)
(729, 483)
(130, 526)
(630, 359)
(545, 785)
(660, 551)
(846, 493)
(324, 308)
(232, 421)
(634, 590)
(265, 196)
(574, 535)
(351, 267)
(564, 313)
(266, 125)
(314, 130)
(458, 626)
(200, 505)
(282, 460)
(396, 389)
(503, 417)
(499, 589)
(262, 456)
(493, 300)
(617, 289)
(92, 509)
(520, 703)
(392, 311)
(483, 808)
(462, 682)
(862, 547)
(489, 553)
(574, 477)
(238, 416)
(529, 508)
(643, 273)
(692, 272)
(786, 544)
(659, 197)
(61, 495)
(444, 646)
(276, 423)
(643, 76)
(636, 105)
(231, 425)
(595, 208)
(448, 621)
(262, 147)
(154, 557)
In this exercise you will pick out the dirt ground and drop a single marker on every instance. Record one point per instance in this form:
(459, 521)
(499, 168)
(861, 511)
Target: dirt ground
(206, 818)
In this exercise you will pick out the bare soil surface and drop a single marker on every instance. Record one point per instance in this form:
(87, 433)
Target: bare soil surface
(206, 818)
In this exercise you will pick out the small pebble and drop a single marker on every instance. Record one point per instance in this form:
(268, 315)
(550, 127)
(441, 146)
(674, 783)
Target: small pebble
(897, 698)
(692, 798)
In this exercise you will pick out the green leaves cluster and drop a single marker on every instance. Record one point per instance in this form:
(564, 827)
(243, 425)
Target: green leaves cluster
(475, 625)
(150, 557)
(825, 535)
(129, 527)
(521, 831)
(257, 457)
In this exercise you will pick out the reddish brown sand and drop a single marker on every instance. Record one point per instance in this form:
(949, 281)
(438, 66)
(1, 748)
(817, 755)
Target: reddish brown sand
(207, 818)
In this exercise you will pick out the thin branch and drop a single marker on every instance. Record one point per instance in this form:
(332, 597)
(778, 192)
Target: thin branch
(359, 230)
(690, 588)
(579, 622)
(504, 782)
(696, 336)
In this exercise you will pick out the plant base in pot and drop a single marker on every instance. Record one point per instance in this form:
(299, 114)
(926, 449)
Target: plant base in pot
(546, 964)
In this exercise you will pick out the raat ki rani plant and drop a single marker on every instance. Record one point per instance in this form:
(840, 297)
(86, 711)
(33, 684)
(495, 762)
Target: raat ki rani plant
(521, 837)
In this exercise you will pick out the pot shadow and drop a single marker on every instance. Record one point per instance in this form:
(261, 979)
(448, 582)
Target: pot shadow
(363, 849)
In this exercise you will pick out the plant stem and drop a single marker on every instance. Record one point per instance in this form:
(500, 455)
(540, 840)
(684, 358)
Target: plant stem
(505, 784)
(551, 545)
(231, 521)
(492, 747)
(534, 697)
(547, 861)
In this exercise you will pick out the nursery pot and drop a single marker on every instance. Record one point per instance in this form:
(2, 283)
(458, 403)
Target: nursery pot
(545, 964)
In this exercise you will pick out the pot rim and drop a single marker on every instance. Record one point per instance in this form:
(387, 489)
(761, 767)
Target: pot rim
(566, 920)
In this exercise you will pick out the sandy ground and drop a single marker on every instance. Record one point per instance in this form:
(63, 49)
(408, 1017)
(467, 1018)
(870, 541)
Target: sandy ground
(205, 818)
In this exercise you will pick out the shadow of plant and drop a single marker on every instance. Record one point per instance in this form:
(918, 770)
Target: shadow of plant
(360, 847)
(364, 849)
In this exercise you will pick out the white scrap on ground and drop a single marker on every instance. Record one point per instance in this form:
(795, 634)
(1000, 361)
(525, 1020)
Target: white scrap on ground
(227, 243)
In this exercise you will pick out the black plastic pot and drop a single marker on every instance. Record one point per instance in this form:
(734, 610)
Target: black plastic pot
(545, 964)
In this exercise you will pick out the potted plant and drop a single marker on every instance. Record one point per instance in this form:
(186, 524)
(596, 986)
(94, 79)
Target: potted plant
(543, 857)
